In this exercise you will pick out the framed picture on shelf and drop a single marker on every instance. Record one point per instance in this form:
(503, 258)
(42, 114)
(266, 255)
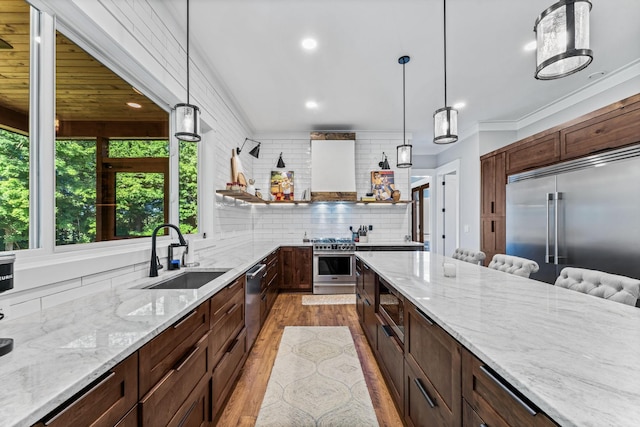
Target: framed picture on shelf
(282, 185)
(382, 185)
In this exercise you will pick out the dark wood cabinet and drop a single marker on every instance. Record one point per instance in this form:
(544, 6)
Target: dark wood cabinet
(296, 268)
(492, 170)
(369, 282)
(432, 372)
(105, 402)
(162, 404)
(534, 152)
(494, 400)
(160, 355)
(613, 129)
(493, 237)
(226, 372)
(229, 318)
(391, 355)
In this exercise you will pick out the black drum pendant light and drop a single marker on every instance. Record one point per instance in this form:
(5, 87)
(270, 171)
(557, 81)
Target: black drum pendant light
(445, 120)
(404, 150)
(187, 115)
(562, 39)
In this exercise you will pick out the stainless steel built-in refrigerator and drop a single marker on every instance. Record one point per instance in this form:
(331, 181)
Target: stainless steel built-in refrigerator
(582, 213)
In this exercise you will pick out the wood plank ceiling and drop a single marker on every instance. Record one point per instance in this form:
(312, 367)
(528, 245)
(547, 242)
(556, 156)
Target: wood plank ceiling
(86, 90)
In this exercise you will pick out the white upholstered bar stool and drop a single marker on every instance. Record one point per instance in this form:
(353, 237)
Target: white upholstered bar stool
(513, 265)
(600, 284)
(468, 255)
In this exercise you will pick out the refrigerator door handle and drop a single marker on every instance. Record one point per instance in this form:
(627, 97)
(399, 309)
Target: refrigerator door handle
(547, 255)
(556, 253)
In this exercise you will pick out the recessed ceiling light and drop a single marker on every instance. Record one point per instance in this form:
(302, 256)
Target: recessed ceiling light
(134, 105)
(309, 44)
(459, 105)
(311, 105)
(530, 46)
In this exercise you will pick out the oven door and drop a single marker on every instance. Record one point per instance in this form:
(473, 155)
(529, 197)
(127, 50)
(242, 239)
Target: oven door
(334, 267)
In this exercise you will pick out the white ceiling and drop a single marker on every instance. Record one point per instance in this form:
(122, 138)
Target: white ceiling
(253, 46)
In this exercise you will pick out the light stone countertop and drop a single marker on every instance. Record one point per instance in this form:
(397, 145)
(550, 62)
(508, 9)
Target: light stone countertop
(573, 355)
(63, 349)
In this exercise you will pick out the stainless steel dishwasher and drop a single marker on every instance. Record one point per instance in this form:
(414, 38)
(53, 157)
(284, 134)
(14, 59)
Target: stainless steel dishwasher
(252, 302)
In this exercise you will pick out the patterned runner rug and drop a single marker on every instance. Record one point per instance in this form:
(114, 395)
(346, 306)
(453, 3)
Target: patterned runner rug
(317, 380)
(328, 299)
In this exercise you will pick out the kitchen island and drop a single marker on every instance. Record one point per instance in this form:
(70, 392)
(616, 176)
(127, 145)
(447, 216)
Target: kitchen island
(573, 355)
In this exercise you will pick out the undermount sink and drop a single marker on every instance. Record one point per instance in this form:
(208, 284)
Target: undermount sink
(189, 280)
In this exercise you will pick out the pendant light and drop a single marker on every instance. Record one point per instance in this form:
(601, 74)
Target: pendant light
(562, 39)
(445, 120)
(187, 115)
(404, 150)
(280, 162)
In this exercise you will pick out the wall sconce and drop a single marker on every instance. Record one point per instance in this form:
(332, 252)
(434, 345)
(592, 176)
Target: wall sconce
(255, 151)
(384, 164)
(280, 162)
(562, 39)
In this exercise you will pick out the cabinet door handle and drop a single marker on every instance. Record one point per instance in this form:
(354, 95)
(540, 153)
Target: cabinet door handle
(184, 319)
(493, 226)
(233, 345)
(233, 307)
(425, 317)
(493, 207)
(499, 382)
(387, 331)
(186, 416)
(366, 301)
(367, 267)
(424, 393)
(483, 425)
(231, 286)
(358, 295)
(100, 381)
(186, 359)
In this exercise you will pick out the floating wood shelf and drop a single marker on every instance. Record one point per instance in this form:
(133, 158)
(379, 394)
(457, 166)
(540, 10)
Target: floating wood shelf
(249, 198)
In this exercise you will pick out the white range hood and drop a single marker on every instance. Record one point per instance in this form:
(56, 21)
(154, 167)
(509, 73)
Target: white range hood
(333, 170)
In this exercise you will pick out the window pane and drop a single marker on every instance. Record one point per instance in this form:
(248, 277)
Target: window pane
(75, 192)
(115, 186)
(140, 204)
(14, 191)
(188, 187)
(14, 125)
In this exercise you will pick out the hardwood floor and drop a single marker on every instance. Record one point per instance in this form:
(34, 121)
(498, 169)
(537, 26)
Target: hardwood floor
(244, 404)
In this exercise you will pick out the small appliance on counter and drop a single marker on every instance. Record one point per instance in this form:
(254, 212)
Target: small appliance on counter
(6, 283)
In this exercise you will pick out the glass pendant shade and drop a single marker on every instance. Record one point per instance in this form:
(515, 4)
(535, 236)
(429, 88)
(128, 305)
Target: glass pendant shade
(404, 156)
(562, 39)
(187, 122)
(445, 126)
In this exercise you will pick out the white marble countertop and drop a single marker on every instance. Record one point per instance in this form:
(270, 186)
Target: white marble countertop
(64, 348)
(387, 243)
(573, 355)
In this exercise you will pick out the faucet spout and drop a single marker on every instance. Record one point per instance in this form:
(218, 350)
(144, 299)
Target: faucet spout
(154, 265)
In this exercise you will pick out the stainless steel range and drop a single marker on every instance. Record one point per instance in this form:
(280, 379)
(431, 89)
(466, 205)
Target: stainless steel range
(334, 266)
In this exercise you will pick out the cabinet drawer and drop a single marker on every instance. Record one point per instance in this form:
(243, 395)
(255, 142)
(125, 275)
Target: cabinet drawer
(129, 420)
(392, 357)
(160, 405)
(161, 354)
(495, 400)
(370, 321)
(226, 330)
(225, 373)
(102, 403)
(225, 298)
(194, 412)
(437, 355)
(470, 418)
(424, 407)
